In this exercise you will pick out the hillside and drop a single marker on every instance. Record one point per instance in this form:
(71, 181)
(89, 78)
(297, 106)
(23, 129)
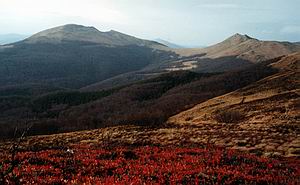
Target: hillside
(267, 97)
(267, 108)
(73, 56)
(149, 103)
(259, 145)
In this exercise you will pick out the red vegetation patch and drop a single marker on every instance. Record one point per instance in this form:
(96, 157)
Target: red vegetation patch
(149, 165)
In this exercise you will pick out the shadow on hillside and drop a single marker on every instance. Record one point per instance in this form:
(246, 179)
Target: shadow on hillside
(222, 64)
(148, 103)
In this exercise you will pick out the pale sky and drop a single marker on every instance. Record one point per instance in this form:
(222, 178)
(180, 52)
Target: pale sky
(184, 22)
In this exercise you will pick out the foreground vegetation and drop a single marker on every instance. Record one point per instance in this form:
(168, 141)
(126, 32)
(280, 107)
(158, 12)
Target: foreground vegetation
(146, 164)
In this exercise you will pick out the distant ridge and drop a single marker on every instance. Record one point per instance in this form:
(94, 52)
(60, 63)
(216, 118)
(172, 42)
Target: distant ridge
(169, 44)
(73, 56)
(73, 32)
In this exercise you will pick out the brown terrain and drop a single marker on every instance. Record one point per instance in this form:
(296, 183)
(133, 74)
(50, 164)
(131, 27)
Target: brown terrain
(267, 122)
(244, 47)
(270, 107)
(236, 52)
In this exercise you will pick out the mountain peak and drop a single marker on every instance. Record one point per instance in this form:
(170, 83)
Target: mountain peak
(238, 39)
(68, 28)
(68, 32)
(75, 27)
(242, 36)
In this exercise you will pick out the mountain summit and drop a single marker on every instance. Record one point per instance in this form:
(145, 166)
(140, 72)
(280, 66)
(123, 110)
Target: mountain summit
(244, 47)
(69, 32)
(238, 38)
(79, 33)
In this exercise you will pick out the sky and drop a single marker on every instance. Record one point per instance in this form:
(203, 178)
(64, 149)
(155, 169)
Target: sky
(184, 22)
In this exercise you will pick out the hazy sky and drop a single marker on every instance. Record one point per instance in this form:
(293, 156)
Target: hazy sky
(185, 22)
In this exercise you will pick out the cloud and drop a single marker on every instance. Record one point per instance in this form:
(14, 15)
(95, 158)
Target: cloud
(219, 5)
(291, 29)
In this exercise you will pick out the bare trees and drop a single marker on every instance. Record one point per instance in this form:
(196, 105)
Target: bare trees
(8, 173)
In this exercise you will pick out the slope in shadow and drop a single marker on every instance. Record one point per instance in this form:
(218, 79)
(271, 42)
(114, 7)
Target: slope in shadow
(71, 64)
(148, 103)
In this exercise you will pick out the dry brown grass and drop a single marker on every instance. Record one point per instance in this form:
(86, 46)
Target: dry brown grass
(269, 107)
(228, 116)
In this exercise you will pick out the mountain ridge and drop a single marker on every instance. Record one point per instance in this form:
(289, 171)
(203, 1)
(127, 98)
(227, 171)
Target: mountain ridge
(244, 47)
(169, 44)
(236, 52)
(74, 32)
(98, 56)
(73, 56)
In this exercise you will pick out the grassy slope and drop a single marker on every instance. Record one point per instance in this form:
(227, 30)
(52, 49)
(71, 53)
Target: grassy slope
(270, 108)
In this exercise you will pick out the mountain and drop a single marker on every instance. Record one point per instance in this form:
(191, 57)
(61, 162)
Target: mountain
(234, 53)
(79, 33)
(10, 38)
(262, 112)
(169, 44)
(73, 56)
(246, 48)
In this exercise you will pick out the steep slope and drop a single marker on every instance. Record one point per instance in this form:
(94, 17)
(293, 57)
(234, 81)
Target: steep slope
(268, 108)
(74, 56)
